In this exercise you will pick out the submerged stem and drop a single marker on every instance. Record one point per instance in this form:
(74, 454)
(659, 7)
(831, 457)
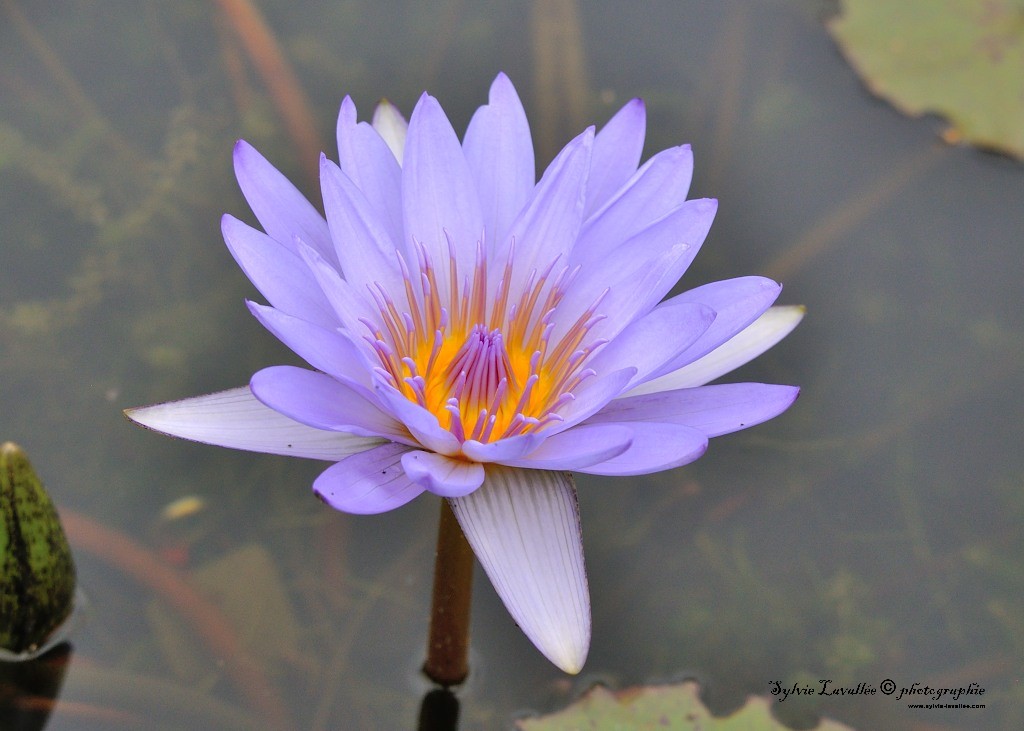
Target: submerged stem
(448, 646)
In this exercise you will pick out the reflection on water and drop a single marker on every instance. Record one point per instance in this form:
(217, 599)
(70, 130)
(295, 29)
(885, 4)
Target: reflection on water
(439, 711)
(29, 690)
(872, 532)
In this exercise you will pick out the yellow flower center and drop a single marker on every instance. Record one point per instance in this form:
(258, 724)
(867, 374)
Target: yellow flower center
(485, 366)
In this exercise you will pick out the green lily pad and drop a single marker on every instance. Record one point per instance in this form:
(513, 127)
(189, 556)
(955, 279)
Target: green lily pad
(961, 59)
(663, 707)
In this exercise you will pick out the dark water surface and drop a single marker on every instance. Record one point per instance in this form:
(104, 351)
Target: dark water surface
(872, 532)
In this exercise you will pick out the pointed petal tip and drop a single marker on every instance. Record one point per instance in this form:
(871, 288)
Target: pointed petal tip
(704, 211)
(244, 155)
(501, 81)
(583, 141)
(424, 100)
(566, 652)
(428, 115)
(386, 108)
(635, 106)
(502, 90)
(155, 417)
(571, 664)
(130, 414)
(790, 314)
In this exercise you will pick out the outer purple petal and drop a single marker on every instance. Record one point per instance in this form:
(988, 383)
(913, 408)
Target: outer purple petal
(438, 192)
(236, 419)
(737, 302)
(349, 306)
(581, 446)
(422, 424)
(281, 209)
(277, 272)
(524, 528)
(590, 397)
(548, 226)
(370, 482)
(655, 447)
(366, 159)
(499, 152)
(762, 334)
(363, 246)
(322, 402)
(657, 188)
(617, 150)
(442, 475)
(641, 271)
(328, 350)
(713, 410)
(654, 339)
(502, 450)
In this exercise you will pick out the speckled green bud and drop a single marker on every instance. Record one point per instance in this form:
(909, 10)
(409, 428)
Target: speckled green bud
(37, 574)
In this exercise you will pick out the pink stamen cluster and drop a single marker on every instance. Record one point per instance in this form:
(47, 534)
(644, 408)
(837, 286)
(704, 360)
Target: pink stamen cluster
(487, 367)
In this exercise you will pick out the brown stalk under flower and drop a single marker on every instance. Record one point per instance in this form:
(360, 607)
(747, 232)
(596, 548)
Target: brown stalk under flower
(448, 645)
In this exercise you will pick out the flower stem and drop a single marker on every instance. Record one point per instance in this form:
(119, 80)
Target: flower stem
(448, 646)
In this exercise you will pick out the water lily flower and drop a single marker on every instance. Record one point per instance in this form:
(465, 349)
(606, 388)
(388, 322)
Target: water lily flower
(480, 335)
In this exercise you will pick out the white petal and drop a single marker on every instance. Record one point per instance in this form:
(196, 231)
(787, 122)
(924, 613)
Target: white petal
(236, 419)
(391, 126)
(524, 527)
(764, 332)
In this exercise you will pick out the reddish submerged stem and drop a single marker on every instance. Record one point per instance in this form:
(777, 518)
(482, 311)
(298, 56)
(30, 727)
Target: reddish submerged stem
(277, 73)
(135, 560)
(448, 646)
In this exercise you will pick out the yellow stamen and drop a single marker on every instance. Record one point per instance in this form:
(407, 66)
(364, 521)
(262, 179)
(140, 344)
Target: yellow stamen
(486, 371)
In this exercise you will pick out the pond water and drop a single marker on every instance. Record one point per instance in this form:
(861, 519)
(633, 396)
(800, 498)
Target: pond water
(871, 532)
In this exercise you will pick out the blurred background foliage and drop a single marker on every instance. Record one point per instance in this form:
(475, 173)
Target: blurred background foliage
(871, 532)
